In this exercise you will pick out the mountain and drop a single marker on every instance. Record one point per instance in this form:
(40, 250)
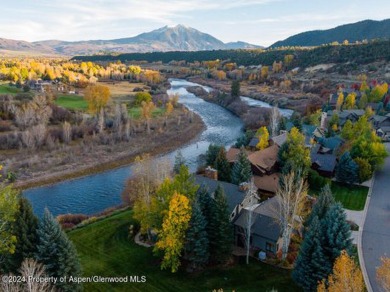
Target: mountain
(366, 29)
(241, 45)
(178, 38)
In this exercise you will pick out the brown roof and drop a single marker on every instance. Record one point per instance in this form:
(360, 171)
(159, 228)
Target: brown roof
(264, 159)
(268, 183)
(280, 139)
(231, 154)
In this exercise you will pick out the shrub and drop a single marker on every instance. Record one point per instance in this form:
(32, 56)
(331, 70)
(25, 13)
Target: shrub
(71, 218)
(142, 96)
(317, 181)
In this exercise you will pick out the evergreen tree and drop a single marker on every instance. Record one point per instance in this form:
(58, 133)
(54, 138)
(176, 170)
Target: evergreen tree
(223, 166)
(211, 154)
(57, 253)
(222, 233)
(25, 230)
(235, 88)
(310, 265)
(241, 171)
(281, 125)
(197, 245)
(324, 202)
(179, 161)
(336, 234)
(347, 170)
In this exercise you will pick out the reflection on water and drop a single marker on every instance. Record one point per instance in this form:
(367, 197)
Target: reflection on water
(94, 193)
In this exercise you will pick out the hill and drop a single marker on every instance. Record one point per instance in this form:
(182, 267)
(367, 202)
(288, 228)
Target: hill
(164, 39)
(362, 30)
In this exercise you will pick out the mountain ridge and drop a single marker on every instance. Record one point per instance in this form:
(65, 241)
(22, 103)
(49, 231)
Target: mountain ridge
(177, 38)
(366, 29)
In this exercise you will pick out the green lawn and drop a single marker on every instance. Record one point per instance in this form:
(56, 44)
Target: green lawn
(6, 89)
(135, 112)
(352, 197)
(72, 102)
(105, 250)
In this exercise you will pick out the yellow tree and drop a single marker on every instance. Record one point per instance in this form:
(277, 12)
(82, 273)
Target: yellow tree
(263, 136)
(172, 237)
(340, 101)
(97, 97)
(383, 274)
(147, 111)
(350, 101)
(346, 276)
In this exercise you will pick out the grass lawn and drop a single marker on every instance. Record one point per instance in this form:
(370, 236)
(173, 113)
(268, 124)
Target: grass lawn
(6, 89)
(72, 102)
(352, 197)
(105, 250)
(135, 112)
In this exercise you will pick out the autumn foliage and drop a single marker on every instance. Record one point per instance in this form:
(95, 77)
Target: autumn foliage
(97, 97)
(346, 276)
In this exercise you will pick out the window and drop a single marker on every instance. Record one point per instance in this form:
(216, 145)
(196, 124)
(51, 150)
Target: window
(269, 247)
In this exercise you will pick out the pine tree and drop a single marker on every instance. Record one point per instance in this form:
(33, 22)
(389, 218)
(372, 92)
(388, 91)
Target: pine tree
(179, 161)
(25, 229)
(221, 240)
(57, 253)
(223, 166)
(336, 234)
(235, 88)
(310, 265)
(211, 154)
(347, 170)
(241, 171)
(324, 202)
(197, 246)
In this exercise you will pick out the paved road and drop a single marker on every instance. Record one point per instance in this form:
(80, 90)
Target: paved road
(376, 232)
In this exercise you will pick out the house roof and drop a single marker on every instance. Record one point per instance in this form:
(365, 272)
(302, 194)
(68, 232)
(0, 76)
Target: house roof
(325, 162)
(379, 119)
(264, 159)
(331, 142)
(254, 141)
(268, 183)
(264, 217)
(233, 194)
(231, 154)
(280, 139)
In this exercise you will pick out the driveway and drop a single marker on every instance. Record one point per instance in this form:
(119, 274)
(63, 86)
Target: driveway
(376, 232)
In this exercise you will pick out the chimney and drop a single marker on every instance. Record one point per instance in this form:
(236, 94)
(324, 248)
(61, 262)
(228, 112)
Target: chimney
(323, 120)
(211, 173)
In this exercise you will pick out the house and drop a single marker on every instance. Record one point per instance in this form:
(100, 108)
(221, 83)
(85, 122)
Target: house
(380, 121)
(345, 115)
(264, 162)
(234, 195)
(265, 231)
(231, 154)
(253, 143)
(324, 164)
(331, 144)
(266, 184)
(279, 140)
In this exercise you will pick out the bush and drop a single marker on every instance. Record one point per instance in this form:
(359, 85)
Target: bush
(142, 96)
(317, 181)
(71, 218)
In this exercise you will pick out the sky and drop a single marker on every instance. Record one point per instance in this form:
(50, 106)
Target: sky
(260, 22)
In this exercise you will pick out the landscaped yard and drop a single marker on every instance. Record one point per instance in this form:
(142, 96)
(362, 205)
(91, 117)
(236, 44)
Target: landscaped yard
(352, 197)
(6, 89)
(135, 112)
(72, 102)
(105, 250)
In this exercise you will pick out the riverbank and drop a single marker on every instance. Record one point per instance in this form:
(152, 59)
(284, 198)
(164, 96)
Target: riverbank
(157, 143)
(288, 99)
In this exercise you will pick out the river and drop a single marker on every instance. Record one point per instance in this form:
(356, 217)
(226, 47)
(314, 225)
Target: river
(94, 193)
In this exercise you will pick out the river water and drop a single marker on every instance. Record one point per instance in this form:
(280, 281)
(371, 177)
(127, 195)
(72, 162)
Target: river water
(94, 193)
